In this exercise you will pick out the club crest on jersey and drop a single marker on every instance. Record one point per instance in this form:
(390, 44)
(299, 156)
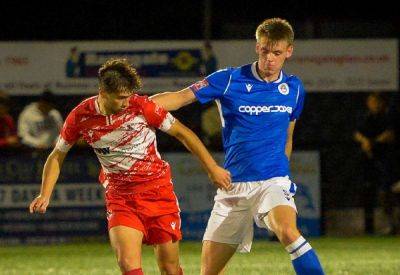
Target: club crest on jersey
(199, 85)
(283, 88)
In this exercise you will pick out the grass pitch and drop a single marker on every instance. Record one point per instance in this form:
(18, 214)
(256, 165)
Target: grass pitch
(363, 256)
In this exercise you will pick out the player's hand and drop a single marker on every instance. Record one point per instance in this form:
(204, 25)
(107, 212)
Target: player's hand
(221, 178)
(39, 204)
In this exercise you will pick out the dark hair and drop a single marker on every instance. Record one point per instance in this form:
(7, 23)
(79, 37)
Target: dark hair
(48, 97)
(118, 75)
(275, 29)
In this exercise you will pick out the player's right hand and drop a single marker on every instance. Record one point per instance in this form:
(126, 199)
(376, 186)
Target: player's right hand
(39, 204)
(221, 178)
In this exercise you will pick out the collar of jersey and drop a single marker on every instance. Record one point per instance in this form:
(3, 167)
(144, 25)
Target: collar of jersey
(258, 77)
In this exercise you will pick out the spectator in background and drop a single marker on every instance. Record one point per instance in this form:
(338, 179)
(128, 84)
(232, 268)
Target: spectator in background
(375, 135)
(72, 64)
(8, 130)
(209, 62)
(39, 123)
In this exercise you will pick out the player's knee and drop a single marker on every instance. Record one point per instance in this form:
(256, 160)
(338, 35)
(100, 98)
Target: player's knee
(169, 267)
(126, 263)
(286, 233)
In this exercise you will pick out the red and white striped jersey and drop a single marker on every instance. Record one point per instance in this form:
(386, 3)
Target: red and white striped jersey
(125, 143)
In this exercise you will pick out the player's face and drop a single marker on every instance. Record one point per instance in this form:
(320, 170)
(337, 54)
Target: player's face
(271, 56)
(116, 102)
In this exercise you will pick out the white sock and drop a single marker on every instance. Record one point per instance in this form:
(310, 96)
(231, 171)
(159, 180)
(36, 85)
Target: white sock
(298, 248)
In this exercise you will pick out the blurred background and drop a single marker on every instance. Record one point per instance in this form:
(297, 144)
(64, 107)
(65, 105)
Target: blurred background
(346, 53)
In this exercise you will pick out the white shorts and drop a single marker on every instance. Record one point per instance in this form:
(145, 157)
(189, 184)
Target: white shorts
(231, 219)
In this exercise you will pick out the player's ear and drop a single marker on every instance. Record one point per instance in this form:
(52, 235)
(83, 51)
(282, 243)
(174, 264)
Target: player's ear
(289, 51)
(257, 48)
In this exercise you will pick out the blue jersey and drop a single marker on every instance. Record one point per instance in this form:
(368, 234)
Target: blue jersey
(255, 116)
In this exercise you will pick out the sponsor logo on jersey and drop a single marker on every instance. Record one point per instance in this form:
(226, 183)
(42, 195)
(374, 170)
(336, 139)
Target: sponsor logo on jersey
(199, 85)
(102, 151)
(256, 110)
(283, 88)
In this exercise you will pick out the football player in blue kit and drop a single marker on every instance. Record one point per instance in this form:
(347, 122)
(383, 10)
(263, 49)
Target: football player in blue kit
(259, 105)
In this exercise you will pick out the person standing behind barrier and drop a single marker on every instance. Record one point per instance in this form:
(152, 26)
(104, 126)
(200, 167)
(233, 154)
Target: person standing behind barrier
(209, 62)
(39, 123)
(375, 135)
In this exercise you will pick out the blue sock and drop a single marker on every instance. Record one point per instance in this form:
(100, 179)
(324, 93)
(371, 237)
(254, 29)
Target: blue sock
(304, 259)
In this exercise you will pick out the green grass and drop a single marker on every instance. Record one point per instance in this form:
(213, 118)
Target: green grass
(363, 256)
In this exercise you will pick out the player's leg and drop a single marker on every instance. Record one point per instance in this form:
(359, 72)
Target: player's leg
(274, 208)
(127, 244)
(215, 256)
(282, 221)
(126, 232)
(167, 255)
(229, 227)
(164, 233)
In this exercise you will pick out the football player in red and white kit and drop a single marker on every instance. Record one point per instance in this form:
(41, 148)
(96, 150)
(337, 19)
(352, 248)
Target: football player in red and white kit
(141, 205)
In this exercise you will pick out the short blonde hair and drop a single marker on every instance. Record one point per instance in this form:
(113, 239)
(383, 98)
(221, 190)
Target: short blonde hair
(275, 29)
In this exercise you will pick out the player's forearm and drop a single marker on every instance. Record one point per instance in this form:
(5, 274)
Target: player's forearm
(289, 139)
(51, 171)
(289, 148)
(196, 147)
(172, 101)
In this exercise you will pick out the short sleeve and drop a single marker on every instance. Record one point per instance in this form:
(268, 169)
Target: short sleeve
(69, 133)
(212, 87)
(156, 116)
(299, 102)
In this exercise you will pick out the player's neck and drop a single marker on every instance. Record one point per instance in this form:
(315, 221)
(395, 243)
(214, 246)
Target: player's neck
(102, 109)
(267, 77)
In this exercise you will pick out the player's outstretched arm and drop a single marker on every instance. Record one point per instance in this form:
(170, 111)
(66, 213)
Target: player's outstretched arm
(172, 101)
(218, 175)
(51, 171)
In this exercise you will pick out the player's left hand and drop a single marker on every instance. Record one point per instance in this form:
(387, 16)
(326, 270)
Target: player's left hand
(39, 204)
(221, 178)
